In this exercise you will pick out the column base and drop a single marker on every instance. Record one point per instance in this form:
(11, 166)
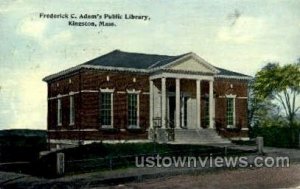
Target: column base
(162, 136)
(151, 134)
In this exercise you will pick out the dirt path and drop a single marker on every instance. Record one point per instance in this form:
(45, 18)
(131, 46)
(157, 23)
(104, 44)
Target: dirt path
(242, 178)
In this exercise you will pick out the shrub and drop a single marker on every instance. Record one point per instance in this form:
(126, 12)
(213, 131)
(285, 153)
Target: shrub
(278, 136)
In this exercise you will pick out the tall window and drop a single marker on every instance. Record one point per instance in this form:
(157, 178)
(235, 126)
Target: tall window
(106, 109)
(72, 110)
(133, 110)
(230, 112)
(59, 112)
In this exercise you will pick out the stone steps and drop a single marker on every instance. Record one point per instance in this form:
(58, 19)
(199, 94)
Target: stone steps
(201, 136)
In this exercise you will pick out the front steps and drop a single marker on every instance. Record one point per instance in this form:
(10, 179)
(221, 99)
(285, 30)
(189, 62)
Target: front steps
(198, 136)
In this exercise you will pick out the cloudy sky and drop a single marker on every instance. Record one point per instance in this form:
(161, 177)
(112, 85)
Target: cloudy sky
(239, 35)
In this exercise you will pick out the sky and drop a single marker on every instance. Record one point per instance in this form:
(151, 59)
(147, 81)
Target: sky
(240, 35)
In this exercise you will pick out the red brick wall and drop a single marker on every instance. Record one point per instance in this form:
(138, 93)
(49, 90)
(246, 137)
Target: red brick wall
(87, 113)
(87, 104)
(63, 86)
(94, 80)
(236, 87)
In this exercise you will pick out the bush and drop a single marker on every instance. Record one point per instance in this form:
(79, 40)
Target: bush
(278, 136)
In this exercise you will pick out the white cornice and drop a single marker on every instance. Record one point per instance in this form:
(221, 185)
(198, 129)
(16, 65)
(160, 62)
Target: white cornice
(234, 77)
(111, 68)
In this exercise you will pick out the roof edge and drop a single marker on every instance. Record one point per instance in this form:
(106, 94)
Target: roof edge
(234, 77)
(61, 73)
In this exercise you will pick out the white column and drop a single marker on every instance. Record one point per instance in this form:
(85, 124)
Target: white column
(163, 102)
(211, 107)
(177, 108)
(198, 104)
(151, 103)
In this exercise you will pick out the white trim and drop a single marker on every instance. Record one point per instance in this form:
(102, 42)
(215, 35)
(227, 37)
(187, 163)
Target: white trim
(163, 102)
(89, 91)
(240, 138)
(238, 97)
(177, 103)
(230, 96)
(111, 68)
(73, 93)
(146, 93)
(181, 76)
(198, 103)
(106, 90)
(73, 130)
(234, 77)
(242, 97)
(151, 106)
(53, 76)
(245, 129)
(133, 91)
(211, 107)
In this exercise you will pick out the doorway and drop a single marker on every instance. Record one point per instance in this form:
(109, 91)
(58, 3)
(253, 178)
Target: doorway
(171, 110)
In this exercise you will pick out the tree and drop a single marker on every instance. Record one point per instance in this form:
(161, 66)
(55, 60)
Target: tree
(262, 112)
(281, 84)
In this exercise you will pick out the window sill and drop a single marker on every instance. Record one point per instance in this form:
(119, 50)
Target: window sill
(134, 129)
(107, 126)
(230, 126)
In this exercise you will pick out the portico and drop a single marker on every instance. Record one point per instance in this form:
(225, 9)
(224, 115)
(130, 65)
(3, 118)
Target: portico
(175, 101)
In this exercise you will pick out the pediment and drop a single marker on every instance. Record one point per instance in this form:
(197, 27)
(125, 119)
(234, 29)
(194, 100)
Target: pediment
(192, 63)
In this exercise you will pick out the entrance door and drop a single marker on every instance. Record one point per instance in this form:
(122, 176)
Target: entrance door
(171, 111)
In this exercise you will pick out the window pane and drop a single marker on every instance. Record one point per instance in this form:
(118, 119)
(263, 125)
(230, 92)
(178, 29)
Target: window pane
(132, 109)
(59, 112)
(72, 110)
(229, 112)
(106, 108)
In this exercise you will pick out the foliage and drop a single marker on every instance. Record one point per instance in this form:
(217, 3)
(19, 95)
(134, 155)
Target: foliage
(260, 110)
(278, 135)
(279, 83)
